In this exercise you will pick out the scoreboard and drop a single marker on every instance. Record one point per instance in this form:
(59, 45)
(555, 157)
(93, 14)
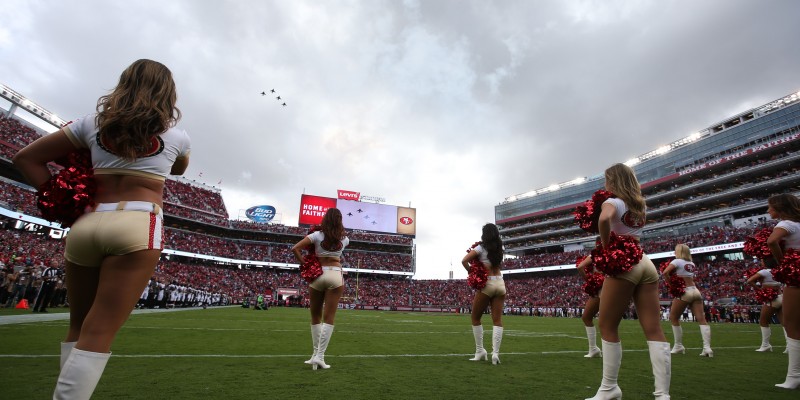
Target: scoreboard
(359, 215)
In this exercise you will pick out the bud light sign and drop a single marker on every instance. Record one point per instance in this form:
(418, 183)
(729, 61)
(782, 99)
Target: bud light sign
(262, 214)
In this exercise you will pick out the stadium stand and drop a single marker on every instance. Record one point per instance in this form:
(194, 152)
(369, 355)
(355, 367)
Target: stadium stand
(707, 191)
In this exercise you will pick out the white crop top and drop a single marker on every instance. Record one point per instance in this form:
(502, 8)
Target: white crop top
(623, 223)
(483, 255)
(317, 238)
(793, 239)
(164, 150)
(683, 268)
(766, 273)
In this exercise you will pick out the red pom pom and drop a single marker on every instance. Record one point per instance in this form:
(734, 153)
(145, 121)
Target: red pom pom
(621, 254)
(750, 272)
(676, 285)
(594, 281)
(588, 214)
(766, 294)
(477, 276)
(593, 284)
(756, 245)
(67, 195)
(311, 268)
(663, 266)
(788, 271)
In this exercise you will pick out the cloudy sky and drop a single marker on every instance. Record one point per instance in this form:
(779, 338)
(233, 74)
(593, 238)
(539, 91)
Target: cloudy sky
(450, 106)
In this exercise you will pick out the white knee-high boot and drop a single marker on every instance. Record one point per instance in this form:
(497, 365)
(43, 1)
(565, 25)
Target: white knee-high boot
(677, 332)
(497, 338)
(705, 332)
(793, 374)
(612, 358)
(765, 335)
(66, 349)
(661, 360)
(594, 351)
(324, 339)
(480, 352)
(786, 335)
(80, 375)
(315, 332)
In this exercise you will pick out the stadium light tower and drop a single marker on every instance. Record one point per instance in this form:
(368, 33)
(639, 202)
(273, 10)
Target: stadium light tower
(19, 101)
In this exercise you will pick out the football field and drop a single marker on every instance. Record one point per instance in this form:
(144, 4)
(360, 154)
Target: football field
(236, 353)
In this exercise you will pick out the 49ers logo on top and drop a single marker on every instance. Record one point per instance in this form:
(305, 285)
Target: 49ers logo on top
(348, 195)
(689, 267)
(629, 221)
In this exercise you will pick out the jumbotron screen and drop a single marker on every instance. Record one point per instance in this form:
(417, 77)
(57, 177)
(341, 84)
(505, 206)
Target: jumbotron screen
(359, 215)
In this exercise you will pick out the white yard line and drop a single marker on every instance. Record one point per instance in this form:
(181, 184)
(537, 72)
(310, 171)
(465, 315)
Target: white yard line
(117, 355)
(45, 317)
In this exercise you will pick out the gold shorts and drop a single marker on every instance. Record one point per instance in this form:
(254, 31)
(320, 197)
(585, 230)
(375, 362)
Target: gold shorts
(777, 303)
(691, 295)
(114, 229)
(331, 278)
(494, 287)
(641, 273)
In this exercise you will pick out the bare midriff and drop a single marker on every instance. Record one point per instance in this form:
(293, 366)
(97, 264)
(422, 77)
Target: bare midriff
(330, 261)
(116, 188)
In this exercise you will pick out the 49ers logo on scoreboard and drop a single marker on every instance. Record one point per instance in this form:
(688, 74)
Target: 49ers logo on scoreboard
(406, 220)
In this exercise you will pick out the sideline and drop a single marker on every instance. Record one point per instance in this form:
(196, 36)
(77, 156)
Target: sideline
(61, 316)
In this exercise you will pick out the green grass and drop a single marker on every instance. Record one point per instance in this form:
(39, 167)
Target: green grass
(236, 353)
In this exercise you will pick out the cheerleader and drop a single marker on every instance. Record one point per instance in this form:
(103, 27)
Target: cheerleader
(112, 250)
(490, 253)
(763, 280)
(625, 216)
(326, 290)
(590, 309)
(786, 207)
(683, 267)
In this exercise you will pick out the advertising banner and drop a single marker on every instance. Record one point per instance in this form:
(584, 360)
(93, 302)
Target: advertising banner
(260, 214)
(348, 195)
(312, 208)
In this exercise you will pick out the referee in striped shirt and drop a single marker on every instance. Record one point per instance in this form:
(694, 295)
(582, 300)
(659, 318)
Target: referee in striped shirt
(49, 278)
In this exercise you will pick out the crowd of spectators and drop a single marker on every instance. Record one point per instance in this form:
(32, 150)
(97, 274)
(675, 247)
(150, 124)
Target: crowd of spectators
(14, 136)
(301, 231)
(663, 242)
(195, 198)
(718, 279)
(272, 228)
(18, 198)
(276, 252)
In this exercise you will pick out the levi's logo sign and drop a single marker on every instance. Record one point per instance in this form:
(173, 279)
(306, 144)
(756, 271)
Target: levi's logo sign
(348, 195)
